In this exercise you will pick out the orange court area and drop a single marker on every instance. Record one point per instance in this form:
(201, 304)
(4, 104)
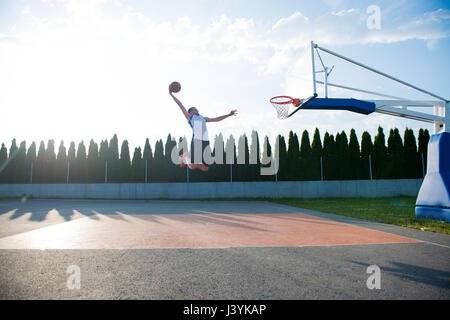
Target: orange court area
(203, 230)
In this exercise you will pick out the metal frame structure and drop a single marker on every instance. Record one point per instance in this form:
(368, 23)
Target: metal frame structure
(395, 106)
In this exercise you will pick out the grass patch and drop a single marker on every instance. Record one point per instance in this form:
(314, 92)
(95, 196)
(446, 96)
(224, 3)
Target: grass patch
(399, 211)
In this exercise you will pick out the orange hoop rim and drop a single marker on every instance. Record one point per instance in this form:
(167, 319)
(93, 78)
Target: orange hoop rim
(288, 100)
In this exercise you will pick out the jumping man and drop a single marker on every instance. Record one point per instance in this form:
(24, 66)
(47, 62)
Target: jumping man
(200, 138)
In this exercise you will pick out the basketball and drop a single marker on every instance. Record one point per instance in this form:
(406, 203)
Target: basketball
(175, 87)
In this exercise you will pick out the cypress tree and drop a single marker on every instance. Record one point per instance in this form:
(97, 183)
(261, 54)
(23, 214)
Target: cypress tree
(31, 160)
(157, 166)
(103, 152)
(93, 169)
(224, 169)
(71, 154)
(247, 168)
(254, 157)
(71, 161)
(148, 155)
(366, 152)
(243, 167)
(395, 155)
(21, 172)
(267, 160)
(391, 152)
(113, 159)
(137, 166)
(3, 154)
(182, 149)
(125, 163)
(13, 149)
(61, 164)
(281, 158)
(424, 138)
(114, 148)
(171, 170)
(219, 170)
(293, 157)
(379, 162)
(50, 159)
(241, 160)
(3, 164)
(316, 154)
(41, 168)
(230, 158)
(80, 166)
(339, 157)
(411, 157)
(306, 168)
(103, 156)
(354, 156)
(342, 156)
(11, 167)
(212, 174)
(400, 164)
(329, 157)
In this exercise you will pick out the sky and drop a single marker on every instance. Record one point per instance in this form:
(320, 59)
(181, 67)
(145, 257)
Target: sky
(73, 70)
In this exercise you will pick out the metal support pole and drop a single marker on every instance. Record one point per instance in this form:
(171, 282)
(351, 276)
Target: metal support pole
(313, 66)
(381, 73)
(106, 171)
(231, 172)
(68, 171)
(325, 71)
(447, 117)
(321, 169)
(370, 166)
(146, 170)
(187, 174)
(440, 119)
(31, 172)
(276, 166)
(442, 111)
(360, 90)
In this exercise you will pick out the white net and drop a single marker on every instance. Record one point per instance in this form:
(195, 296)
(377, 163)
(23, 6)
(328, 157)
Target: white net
(281, 105)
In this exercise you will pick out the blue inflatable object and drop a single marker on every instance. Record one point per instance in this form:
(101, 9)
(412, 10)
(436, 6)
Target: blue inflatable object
(433, 200)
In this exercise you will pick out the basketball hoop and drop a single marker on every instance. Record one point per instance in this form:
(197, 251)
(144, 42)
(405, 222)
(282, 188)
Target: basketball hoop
(282, 104)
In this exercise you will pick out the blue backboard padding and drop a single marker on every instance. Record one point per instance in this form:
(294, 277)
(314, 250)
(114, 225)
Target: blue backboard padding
(354, 105)
(433, 200)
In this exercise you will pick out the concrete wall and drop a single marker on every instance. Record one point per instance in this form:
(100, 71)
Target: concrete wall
(299, 189)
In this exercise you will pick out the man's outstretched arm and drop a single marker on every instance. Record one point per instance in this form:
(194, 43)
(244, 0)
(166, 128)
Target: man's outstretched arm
(217, 119)
(178, 102)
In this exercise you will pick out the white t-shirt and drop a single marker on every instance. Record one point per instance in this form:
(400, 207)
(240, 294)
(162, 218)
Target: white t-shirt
(198, 125)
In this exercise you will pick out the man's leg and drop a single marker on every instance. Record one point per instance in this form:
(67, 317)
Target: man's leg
(197, 148)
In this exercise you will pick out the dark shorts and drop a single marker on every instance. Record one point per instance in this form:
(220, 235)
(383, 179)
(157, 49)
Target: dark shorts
(201, 145)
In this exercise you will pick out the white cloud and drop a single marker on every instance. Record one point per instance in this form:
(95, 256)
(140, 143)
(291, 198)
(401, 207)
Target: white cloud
(430, 26)
(345, 12)
(297, 18)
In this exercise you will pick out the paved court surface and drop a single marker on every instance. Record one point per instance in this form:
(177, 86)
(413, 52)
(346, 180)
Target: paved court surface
(210, 250)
